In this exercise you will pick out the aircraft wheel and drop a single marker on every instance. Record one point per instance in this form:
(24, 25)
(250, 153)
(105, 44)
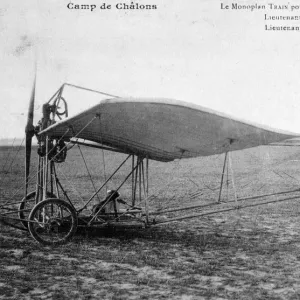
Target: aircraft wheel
(52, 222)
(26, 206)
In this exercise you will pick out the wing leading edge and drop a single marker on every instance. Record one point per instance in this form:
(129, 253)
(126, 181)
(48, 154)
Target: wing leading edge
(164, 129)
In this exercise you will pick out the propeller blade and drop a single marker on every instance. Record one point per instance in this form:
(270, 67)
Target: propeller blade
(27, 160)
(29, 132)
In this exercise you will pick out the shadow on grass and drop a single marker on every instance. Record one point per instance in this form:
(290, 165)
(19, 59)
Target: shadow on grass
(111, 236)
(161, 235)
(194, 237)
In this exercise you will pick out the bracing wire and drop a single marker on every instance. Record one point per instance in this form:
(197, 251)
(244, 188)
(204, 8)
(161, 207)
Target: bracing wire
(14, 158)
(53, 156)
(103, 156)
(8, 155)
(90, 90)
(88, 171)
(72, 185)
(17, 152)
(36, 170)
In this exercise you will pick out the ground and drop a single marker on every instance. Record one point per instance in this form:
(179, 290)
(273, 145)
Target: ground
(242, 254)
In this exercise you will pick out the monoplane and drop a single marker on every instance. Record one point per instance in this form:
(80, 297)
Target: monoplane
(157, 129)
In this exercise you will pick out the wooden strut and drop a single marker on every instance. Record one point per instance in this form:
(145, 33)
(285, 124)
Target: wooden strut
(226, 166)
(38, 181)
(223, 210)
(222, 177)
(135, 183)
(132, 183)
(55, 181)
(145, 188)
(232, 178)
(46, 170)
(46, 161)
(137, 179)
(217, 203)
(140, 180)
(147, 191)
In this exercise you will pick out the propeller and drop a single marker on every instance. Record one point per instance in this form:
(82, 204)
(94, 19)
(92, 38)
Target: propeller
(29, 133)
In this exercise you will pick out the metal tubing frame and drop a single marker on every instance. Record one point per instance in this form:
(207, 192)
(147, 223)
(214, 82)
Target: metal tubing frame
(38, 181)
(44, 161)
(58, 97)
(103, 185)
(56, 94)
(107, 201)
(46, 169)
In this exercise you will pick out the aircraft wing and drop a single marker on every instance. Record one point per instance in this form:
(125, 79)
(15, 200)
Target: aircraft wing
(164, 129)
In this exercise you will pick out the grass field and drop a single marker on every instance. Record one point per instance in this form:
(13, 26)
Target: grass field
(243, 254)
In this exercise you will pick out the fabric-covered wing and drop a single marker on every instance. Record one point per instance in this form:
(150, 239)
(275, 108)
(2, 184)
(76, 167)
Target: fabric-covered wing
(164, 129)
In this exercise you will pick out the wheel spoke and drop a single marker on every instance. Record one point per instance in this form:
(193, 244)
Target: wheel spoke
(26, 206)
(56, 218)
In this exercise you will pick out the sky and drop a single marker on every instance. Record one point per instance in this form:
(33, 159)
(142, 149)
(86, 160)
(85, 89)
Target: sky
(185, 50)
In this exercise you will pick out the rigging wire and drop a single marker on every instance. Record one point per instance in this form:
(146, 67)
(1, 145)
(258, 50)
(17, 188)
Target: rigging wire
(54, 155)
(17, 152)
(72, 185)
(37, 172)
(14, 158)
(268, 168)
(6, 160)
(88, 171)
(174, 172)
(90, 90)
(103, 155)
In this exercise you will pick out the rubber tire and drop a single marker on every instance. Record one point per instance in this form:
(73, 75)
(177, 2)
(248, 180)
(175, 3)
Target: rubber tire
(57, 202)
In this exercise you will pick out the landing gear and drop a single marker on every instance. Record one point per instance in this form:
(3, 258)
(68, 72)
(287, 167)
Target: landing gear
(27, 205)
(52, 222)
